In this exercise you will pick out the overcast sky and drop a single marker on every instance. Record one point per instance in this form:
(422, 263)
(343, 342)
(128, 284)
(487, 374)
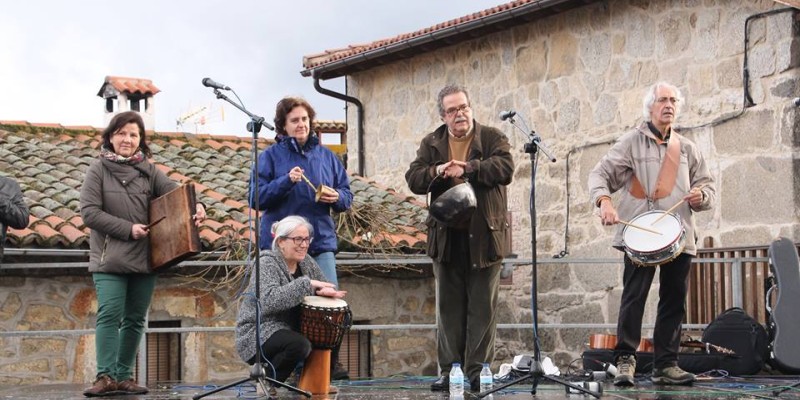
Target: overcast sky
(55, 54)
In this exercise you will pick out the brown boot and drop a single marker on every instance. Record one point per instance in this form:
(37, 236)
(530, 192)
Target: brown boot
(104, 385)
(130, 387)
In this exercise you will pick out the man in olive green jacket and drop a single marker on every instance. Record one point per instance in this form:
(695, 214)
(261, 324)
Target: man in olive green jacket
(466, 256)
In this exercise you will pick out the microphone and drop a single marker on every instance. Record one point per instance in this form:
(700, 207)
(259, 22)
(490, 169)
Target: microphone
(796, 101)
(504, 115)
(208, 82)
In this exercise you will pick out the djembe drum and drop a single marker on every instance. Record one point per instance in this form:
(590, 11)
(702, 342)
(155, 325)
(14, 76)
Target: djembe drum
(323, 321)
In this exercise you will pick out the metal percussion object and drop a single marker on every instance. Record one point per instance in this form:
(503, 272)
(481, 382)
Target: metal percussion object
(455, 206)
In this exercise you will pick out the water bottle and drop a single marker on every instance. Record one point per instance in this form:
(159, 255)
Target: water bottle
(456, 380)
(486, 378)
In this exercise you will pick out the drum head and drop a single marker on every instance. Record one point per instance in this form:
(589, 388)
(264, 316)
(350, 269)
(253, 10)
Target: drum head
(324, 302)
(639, 240)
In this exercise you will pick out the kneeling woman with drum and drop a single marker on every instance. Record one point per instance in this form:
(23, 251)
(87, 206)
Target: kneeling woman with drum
(287, 275)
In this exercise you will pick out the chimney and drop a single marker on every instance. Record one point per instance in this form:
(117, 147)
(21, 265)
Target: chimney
(125, 94)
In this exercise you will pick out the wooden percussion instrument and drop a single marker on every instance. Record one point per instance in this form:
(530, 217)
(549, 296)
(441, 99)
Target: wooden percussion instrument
(608, 342)
(324, 321)
(173, 234)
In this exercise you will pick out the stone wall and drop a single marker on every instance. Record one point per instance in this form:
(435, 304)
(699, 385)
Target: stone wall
(578, 79)
(68, 303)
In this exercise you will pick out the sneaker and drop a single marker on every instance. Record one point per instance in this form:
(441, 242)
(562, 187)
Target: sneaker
(130, 387)
(104, 385)
(672, 376)
(338, 372)
(626, 369)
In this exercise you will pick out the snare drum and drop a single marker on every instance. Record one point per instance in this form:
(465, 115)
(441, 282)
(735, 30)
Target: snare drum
(324, 322)
(650, 249)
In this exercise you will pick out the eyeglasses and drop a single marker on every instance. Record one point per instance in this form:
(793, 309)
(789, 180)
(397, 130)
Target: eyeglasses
(299, 240)
(673, 100)
(455, 110)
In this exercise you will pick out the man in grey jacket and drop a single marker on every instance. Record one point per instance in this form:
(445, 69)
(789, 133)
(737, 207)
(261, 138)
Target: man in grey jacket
(13, 211)
(654, 168)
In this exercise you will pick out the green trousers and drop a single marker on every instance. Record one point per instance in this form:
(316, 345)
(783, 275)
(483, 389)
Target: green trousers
(467, 306)
(122, 304)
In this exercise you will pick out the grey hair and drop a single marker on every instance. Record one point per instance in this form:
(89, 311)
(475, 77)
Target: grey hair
(650, 98)
(286, 226)
(446, 91)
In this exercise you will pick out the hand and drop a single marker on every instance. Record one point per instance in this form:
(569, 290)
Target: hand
(296, 174)
(608, 214)
(139, 231)
(329, 196)
(452, 169)
(694, 198)
(317, 285)
(200, 214)
(331, 292)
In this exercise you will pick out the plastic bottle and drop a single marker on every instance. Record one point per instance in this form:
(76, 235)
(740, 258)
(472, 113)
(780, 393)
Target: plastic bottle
(456, 380)
(486, 378)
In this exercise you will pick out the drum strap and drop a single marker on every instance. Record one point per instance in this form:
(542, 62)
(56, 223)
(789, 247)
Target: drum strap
(666, 176)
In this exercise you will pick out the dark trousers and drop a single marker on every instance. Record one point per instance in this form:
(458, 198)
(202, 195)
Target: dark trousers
(467, 305)
(670, 313)
(285, 349)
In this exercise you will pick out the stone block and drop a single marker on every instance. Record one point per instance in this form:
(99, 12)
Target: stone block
(593, 278)
(11, 306)
(752, 134)
(766, 184)
(405, 343)
(34, 345)
(44, 317)
(748, 235)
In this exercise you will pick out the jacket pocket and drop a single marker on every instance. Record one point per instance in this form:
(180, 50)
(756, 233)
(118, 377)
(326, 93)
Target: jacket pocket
(435, 237)
(497, 238)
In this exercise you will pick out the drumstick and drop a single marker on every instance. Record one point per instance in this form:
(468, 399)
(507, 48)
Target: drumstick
(639, 227)
(148, 226)
(308, 182)
(671, 209)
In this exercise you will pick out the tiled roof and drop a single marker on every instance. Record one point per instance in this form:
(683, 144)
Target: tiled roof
(130, 85)
(442, 34)
(49, 162)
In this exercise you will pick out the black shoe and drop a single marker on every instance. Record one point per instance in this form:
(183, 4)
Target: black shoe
(338, 372)
(475, 385)
(441, 385)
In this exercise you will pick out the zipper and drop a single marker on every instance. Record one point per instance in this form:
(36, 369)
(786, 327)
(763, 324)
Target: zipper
(103, 252)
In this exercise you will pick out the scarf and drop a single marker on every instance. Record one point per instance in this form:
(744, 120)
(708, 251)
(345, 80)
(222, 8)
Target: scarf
(114, 157)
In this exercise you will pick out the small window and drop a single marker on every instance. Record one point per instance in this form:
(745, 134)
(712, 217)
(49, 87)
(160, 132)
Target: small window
(163, 354)
(354, 354)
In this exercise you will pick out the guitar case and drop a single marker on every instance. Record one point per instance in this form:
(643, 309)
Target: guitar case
(784, 323)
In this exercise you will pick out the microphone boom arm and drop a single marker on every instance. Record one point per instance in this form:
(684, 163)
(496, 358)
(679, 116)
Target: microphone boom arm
(255, 118)
(534, 139)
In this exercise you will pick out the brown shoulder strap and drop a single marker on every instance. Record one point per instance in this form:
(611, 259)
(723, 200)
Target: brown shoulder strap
(666, 175)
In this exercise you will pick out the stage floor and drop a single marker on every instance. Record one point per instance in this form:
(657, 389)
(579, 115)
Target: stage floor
(417, 388)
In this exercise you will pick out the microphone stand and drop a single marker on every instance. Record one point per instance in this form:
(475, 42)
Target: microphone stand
(536, 371)
(257, 372)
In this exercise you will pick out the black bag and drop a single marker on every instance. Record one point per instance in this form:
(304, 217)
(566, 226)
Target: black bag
(737, 331)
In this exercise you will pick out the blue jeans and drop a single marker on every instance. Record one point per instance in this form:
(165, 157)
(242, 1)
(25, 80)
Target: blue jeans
(327, 263)
(122, 304)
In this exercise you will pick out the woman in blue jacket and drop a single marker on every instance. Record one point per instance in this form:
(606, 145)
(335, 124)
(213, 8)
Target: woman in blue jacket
(282, 191)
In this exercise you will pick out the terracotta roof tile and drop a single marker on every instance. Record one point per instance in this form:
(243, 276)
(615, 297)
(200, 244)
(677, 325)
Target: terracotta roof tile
(131, 85)
(50, 169)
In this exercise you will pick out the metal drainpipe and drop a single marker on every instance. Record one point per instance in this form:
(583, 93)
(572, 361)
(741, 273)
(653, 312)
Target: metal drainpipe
(360, 109)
